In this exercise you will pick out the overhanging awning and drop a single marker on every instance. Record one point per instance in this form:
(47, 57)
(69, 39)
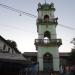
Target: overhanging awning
(13, 58)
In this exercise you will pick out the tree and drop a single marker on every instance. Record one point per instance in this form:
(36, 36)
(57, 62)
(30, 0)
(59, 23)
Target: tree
(12, 43)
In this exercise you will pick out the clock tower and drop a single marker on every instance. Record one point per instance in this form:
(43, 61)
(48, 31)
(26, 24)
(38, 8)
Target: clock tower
(47, 43)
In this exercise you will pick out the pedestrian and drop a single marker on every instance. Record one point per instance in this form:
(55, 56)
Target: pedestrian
(67, 70)
(61, 70)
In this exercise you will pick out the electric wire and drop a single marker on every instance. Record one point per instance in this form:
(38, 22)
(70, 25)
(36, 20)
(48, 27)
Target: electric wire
(14, 28)
(17, 10)
(29, 14)
(21, 29)
(70, 28)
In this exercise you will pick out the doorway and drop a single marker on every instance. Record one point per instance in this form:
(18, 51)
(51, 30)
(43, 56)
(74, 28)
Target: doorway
(47, 62)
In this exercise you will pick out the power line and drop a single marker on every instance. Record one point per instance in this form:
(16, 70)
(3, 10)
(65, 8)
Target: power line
(17, 10)
(12, 27)
(28, 14)
(66, 27)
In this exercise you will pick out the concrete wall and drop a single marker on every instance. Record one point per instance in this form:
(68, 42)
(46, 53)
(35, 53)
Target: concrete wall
(51, 50)
(42, 13)
(2, 43)
(43, 29)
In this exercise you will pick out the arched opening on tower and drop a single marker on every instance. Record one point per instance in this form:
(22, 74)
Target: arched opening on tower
(47, 62)
(47, 34)
(46, 18)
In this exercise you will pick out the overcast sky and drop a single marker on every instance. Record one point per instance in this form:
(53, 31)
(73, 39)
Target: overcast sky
(22, 29)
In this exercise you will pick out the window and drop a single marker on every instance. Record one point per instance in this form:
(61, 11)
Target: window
(8, 49)
(47, 62)
(46, 18)
(47, 34)
(4, 47)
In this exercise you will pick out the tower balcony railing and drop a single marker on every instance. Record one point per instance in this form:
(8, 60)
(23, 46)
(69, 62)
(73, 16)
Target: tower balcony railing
(48, 42)
(50, 21)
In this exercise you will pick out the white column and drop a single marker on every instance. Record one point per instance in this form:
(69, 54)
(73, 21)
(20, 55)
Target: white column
(56, 63)
(40, 64)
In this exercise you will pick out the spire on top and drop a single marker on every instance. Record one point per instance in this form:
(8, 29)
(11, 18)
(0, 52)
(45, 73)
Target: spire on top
(46, 6)
(45, 1)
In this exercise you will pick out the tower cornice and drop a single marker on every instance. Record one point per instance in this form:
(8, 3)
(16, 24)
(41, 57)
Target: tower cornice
(50, 22)
(46, 7)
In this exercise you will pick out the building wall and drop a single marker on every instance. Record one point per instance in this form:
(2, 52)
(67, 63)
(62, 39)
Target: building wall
(42, 13)
(51, 50)
(45, 17)
(7, 48)
(51, 29)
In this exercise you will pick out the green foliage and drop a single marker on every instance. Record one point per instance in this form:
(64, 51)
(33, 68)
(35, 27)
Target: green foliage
(12, 43)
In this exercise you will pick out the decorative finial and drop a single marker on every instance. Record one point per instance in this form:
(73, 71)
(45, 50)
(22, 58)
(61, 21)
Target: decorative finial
(45, 1)
(39, 5)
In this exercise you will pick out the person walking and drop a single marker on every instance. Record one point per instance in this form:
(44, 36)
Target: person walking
(67, 71)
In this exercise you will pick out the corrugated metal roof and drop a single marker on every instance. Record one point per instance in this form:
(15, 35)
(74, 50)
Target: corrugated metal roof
(30, 53)
(64, 54)
(12, 57)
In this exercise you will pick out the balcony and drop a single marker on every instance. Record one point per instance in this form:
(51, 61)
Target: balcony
(48, 42)
(50, 22)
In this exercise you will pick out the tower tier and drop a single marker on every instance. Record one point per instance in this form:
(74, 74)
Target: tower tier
(48, 42)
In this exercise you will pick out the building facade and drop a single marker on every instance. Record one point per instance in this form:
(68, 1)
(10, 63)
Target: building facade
(47, 43)
(12, 61)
